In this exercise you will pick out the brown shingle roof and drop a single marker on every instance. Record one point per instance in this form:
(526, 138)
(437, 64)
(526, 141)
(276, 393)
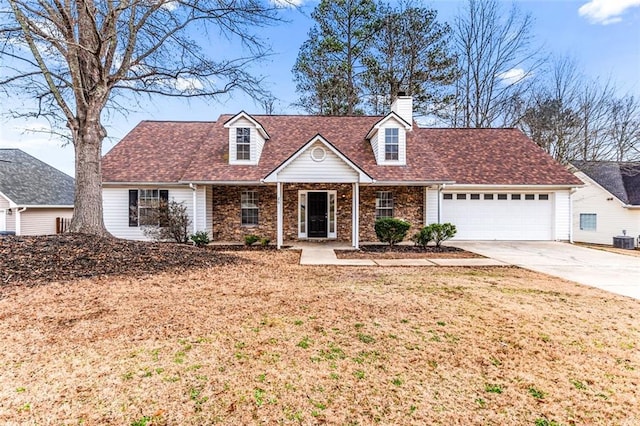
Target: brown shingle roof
(174, 151)
(155, 151)
(495, 156)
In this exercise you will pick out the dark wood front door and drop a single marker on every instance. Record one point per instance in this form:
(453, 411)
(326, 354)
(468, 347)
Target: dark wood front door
(317, 214)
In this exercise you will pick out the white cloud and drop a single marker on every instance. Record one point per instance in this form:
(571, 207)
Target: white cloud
(287, 3)
(170, 6)
(606, 11)
(187, 84)
(513, 76)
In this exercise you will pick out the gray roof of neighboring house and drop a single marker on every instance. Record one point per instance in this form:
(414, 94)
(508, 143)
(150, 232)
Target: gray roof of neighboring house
(620, 178)
(28, 181)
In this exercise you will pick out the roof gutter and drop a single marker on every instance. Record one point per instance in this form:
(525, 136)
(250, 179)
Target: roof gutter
(411, 182)
(46, 206)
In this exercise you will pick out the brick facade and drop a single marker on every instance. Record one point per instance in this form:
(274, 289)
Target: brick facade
(227, 224)
(408, 204)
(343, 208)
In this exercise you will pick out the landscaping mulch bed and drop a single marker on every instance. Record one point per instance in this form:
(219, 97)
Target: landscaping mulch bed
(40, 259)
(380, 251)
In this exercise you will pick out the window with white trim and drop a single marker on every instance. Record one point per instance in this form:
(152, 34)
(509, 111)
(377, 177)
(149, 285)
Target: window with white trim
(588, 221)
(249, 208)
(384, 204)
(148, 207)
(243, 143)
(391, 150)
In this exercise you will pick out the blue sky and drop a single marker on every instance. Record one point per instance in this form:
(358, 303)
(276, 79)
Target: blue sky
(602, 35)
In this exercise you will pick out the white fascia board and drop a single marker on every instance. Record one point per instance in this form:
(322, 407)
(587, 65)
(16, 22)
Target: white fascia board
(246, 116)
(144, 183)
(363, 177)
(411, 182)
(45, 206)
(535, 187)
(223, 182)
(391, 115)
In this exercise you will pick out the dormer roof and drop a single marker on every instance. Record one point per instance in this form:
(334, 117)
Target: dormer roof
(363, 177)
(391, 116)
(246, 116)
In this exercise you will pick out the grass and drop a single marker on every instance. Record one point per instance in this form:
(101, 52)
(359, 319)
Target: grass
(271, 342)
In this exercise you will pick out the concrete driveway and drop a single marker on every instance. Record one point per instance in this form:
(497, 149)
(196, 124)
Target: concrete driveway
(608, 271)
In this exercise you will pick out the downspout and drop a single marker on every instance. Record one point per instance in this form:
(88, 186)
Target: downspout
(18, 221)
(195, 210)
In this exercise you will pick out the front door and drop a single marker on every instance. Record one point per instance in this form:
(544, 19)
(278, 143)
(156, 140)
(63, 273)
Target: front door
(317, 214)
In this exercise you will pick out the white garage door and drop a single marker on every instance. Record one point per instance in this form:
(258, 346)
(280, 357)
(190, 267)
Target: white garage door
(513, 216)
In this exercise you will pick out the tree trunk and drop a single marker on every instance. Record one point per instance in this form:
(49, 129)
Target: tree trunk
(88, 214)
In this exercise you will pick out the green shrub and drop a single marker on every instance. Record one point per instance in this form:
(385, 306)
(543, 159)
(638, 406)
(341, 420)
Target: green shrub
(422, 237)
(250, 239)
(391, 230)
(200, 238)
(441, 232)
(265, 241)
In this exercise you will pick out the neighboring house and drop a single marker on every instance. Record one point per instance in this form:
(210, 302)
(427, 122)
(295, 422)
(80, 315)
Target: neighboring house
(608, 203)
(317, 177)
(32, 194)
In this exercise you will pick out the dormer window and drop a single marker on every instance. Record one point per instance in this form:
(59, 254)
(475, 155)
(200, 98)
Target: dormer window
(243, 143)
(391, 144)
(246, 139)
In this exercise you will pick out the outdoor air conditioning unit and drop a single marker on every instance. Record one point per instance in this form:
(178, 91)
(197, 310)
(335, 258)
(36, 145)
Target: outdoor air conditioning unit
(623, 241)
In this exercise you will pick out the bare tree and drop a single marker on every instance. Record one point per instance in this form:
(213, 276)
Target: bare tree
(576, 118)
(624, 128)
(495, 61)
(552, 116)
(75, 56)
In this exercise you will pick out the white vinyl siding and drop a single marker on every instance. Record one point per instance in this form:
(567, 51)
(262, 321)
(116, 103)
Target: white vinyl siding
(374, 146)
(203, 207)
(35, 221)
(562, 201)
(499, 218)
(256, 142)
(4, 217)
(432, 206)
(612, 217)
(116, 209)
(304, 169)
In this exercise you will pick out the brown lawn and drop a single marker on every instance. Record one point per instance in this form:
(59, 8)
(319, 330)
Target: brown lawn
(271, 342)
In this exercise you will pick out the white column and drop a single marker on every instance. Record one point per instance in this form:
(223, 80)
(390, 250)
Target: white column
(355, 237)
(279, 213)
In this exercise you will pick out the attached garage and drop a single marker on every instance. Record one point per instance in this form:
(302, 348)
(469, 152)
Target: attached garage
(500, 216)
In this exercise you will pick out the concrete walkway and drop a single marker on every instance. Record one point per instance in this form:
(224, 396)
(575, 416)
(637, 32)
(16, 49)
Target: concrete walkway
(324, 254)
(616, 273)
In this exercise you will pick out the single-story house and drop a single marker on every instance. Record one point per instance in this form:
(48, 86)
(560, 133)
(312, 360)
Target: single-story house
(35, 198)
(608, 203)
(295, 177)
